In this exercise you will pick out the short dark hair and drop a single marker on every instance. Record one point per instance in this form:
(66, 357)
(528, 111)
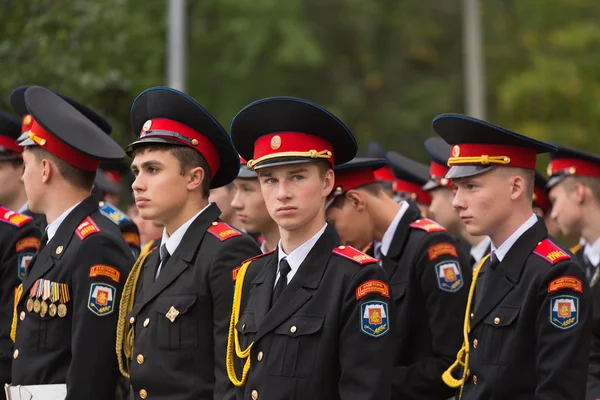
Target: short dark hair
(75, 176)
(188, 159)
(371, 188)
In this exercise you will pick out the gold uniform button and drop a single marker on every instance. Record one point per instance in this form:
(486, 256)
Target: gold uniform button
(496, 321)
(16, 354)
(215, 223)
(254, 395)
(342, 247)
(260, 356)
(244, 327)
(22, 315)
(293, 329)
(475, 343)
(472, 315)
(143, 394)
(146, 322)
(140, 359)
(131, 320)
(474, 379)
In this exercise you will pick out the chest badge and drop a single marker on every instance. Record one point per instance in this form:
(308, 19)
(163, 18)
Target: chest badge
(172, 314)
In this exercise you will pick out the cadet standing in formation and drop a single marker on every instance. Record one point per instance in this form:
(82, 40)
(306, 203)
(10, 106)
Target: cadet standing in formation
(67, 309)
(429, 283)
(176, 305)
(528, 324)
(316, 323)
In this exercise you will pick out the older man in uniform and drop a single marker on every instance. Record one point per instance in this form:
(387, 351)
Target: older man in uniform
(67, 309)
(318, 316)
(527, 327)
(175, 310)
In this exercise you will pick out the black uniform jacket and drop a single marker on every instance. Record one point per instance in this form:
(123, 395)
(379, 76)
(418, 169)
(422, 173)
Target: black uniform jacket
(182, 318)
(19, 240)
(38, 219)
(530, 333)
(88, 262)
(327, 336)
(429, 279)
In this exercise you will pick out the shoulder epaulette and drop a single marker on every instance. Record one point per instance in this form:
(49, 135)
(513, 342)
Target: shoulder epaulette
(86, 228)
(427, 225)
(550, 252)
(223, 231)
(132, 239)
(235, 271)
(113, 213)
(13, 218)
(353, 254)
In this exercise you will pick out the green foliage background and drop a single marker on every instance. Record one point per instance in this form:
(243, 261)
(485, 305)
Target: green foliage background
(385, 67)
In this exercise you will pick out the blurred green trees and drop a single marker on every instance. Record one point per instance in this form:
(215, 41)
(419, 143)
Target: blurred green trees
(386, 67)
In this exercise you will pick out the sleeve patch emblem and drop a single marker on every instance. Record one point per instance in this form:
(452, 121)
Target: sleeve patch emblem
(441, 249)
(372, 286)
(29, 242)
(449, 276)
(23, 261)
(102, 299)
(105, 270)
(113, 213)
(374, 319)
(565, 282)
(564, 312)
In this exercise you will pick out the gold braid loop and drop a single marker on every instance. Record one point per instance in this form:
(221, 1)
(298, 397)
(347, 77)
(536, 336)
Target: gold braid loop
(232, 337)
(125, 331)
(463, 353)
(15, 320)
(483, 160)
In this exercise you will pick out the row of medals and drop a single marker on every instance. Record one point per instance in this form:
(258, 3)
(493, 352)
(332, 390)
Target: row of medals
(43, 308)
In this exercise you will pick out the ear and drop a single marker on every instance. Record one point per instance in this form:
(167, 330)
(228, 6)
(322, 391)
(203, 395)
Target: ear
(328, 181)
(518, 187)
(47, 170)
(195, 176)
(580, 192)
(355, 197)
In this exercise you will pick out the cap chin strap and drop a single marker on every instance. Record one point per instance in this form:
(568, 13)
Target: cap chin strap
(307, 154)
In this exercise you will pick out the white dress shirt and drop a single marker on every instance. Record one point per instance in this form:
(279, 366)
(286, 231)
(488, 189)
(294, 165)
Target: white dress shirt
(296, 257)
(501, 251)
(388, 236)
(480, 250)
(54, 225)
(592, 252)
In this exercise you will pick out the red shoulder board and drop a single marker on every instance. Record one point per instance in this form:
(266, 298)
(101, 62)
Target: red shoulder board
(234, 273)
(351, 253)
(13, 218)
(550, 252)
(86, 228)
(223, 231)
(427, 225)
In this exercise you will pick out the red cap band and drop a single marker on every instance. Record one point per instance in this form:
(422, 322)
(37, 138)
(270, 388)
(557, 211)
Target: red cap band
(493, 155)
(353, 178)
(573, 166)
(438, 170)
(385, 174)
(540, 199)
(113, 176)
(291, 144)
(197, 141)
(419, 195)
(54, 145)
(26, 123)
(10, 144)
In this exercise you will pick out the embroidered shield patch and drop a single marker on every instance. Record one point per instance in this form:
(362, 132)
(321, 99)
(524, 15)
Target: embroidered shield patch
(564, 312)
(449, 276)
(374, 318)
(23, 261)
(102, 299)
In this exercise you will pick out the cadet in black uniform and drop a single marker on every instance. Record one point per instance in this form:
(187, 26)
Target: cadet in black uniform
(528, 324)
(68, 306)
(574, 190)
(410, 177)
(428, 279)
(441, 209)
(128, 229)
(317, 320)
(175, 312)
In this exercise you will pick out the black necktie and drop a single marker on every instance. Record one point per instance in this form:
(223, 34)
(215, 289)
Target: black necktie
(284, 270)
(589, 268)
(485, 275)
(163, 257)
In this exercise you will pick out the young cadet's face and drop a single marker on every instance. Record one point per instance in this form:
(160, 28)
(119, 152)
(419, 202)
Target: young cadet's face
(159, 188)
(350, 220)
(33, 180)
(295, 193)
(483, 201)
(249, 205)
(441, 209)
(566, 210)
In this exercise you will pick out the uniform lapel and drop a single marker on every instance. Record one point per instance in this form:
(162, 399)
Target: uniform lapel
(300, 289)
(389, 262)
(262, 292)
(182, 258)
(508, 273)
(51, 253)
